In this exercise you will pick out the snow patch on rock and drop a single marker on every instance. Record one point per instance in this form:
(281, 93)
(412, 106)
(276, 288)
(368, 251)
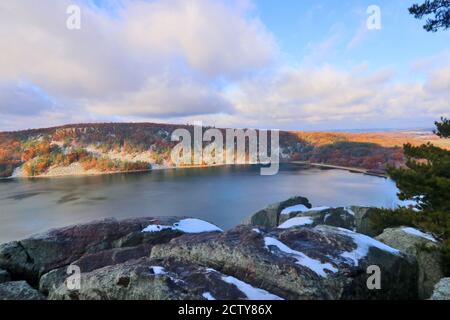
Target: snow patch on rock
(208, 296)
(302, 259)
(418, 233)
(185, 226)
(251, 292)
(295, 222)
(301, 208)
(158, 270)
(363, 244)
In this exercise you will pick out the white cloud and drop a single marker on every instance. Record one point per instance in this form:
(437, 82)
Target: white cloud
(22, 99)
(177, 60)
(127, 55)
(305, 97)
(211, 37)
(165, 98)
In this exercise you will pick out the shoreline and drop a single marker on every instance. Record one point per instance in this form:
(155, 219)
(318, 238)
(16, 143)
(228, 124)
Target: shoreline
(91, 174)
(159, 168)
(368, 172)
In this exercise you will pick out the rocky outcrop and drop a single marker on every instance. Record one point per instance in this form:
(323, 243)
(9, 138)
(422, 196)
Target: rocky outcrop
(176, 258)
(29, 259)
(352, 218)
(424, 248)
(299, 263)
(19, 290)
(442, 290)
(270, 216)
(4, 276)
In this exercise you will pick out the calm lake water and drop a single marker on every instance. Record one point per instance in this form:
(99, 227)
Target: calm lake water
(225, 196)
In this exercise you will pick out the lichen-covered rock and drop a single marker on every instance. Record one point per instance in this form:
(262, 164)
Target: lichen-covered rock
(442, 290)
(4, 276)
(424, 248)
(300, 263)
(159, 279)
(53, 279)
(29, 259)
(270, 216)
(19, 290)
(90, 262)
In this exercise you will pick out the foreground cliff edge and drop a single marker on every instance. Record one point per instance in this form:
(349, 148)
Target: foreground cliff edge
(287, 251)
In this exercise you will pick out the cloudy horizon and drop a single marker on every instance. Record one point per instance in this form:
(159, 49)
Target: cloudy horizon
(239, 63)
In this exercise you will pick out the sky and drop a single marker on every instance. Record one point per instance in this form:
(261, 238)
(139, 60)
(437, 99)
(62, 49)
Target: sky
(293, 65)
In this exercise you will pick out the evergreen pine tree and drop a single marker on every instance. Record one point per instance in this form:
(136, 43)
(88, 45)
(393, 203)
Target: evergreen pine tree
(438, 9)
(426, 179)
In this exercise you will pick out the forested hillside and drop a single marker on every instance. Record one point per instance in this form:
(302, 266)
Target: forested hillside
(114, 147)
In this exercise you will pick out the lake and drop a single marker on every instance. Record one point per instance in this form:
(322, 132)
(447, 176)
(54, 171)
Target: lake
(225, 196)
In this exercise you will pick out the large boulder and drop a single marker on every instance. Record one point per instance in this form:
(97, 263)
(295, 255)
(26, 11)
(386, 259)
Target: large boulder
(336, 217)
(29, 259)
(442, 290)
(19, 290)
(270, 216)
(352, 218)
(159, 279)
(4, 276)
(300, 263)
(424, 248)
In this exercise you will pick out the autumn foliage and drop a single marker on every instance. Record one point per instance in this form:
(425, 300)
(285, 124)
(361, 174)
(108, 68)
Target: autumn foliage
(40, 149)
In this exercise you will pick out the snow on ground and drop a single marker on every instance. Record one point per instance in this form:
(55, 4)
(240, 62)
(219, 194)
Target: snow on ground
(256, 230)
(208, 296)
(301, 208)
(251, 292)
(186, 226)
(302, 259)
(419, 233)
(294, 222)
(363, 244)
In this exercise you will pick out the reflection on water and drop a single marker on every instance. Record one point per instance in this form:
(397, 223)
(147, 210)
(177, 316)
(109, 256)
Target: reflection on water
(224, 196)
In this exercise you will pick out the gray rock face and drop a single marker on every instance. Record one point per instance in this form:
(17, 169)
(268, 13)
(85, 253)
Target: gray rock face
(19, 290)
(159, 279)
(29, 259)
(270, 217)
(300, 263)
(90, 262)
(4, 276)
(424, 250)
(442, 290)
(363, 222)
